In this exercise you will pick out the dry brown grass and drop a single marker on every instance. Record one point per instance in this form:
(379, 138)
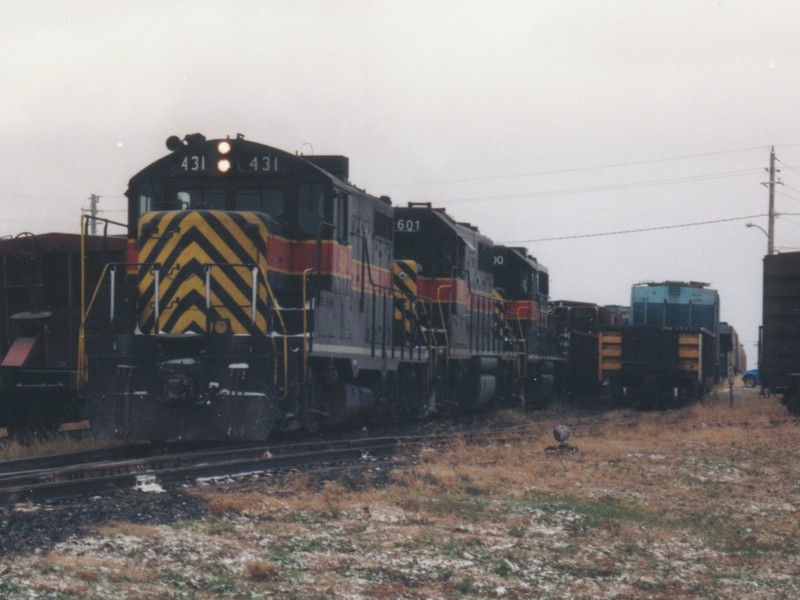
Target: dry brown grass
(694, 503)
(259, 570)
(49, 443)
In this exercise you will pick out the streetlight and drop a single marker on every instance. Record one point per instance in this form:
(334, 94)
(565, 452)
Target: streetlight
(764, 231)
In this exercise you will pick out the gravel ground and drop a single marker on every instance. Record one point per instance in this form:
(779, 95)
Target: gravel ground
(30, 529)
(697, 503)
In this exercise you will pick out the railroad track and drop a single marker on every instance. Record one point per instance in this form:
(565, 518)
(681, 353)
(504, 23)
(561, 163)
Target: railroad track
(63, 481)
(82, 474)
(64, 476)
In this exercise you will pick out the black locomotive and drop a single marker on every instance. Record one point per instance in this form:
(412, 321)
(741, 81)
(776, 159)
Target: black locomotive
(263, 293)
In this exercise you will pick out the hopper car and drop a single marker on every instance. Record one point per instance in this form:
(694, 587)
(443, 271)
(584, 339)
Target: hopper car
(44, 279)
(578, 325)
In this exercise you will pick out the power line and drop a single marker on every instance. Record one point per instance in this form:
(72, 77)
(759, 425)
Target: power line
(660, 228)
(605, 188)
(572, 170)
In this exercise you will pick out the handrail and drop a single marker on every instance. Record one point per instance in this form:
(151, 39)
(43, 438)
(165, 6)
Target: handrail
(85, 218)
(432, 356)
(254, 271)
(285, 341)
(81, 371)
(439, 302)
(258, 274)
(306, 333)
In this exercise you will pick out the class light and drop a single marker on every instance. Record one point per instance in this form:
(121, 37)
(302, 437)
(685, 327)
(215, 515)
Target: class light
(224, 147)
(224, 165)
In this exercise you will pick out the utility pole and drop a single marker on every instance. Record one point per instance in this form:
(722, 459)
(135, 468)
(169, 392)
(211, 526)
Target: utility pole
(94, 199)
(771, 183)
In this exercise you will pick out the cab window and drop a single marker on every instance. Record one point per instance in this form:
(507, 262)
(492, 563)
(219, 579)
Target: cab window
(268, 201)
(148, 196)
(310, 208)
(202, 198)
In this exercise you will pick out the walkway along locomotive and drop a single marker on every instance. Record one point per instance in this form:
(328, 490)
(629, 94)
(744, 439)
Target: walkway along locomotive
(262, 292)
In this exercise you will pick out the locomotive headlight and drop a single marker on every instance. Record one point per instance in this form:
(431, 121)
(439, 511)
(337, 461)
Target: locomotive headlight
(224, 147)
(224, 165)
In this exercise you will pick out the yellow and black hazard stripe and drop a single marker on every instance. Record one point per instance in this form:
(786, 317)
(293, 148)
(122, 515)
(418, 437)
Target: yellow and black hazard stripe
(500, 316)
(191, 248)
(404, 279)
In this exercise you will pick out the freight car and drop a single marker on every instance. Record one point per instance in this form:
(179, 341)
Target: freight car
(43, 279)
(669, 353)
(731, 349)
(263, 293)
(779, 343)
(577, 325)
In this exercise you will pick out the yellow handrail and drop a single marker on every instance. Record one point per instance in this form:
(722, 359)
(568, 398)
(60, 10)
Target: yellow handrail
(427, 338)
(81, 374)
(285, 341)
(522, 342)
(439, 302)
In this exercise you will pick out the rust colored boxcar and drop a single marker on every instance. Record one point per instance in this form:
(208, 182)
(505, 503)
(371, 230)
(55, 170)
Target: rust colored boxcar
(43, 279)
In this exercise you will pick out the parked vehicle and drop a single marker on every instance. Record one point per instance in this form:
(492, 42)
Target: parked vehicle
(751, 378)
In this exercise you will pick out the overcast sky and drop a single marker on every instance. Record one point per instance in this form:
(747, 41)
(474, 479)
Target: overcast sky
(531, 119)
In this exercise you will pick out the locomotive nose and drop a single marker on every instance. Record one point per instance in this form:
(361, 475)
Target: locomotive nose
(179, 381)
(177, 389)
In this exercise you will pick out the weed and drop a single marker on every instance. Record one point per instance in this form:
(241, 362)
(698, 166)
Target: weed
(517, 532)
(444, 573)
(219, 526)
(221, 586)
(465, 586)
(48, 443)
(9, 587)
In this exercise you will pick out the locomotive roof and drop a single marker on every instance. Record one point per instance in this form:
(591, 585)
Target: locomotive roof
(691, 284)
(523, 255)
(469, 234)
(335, 168)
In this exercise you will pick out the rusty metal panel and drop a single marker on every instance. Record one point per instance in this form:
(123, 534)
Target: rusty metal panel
(43, 273)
